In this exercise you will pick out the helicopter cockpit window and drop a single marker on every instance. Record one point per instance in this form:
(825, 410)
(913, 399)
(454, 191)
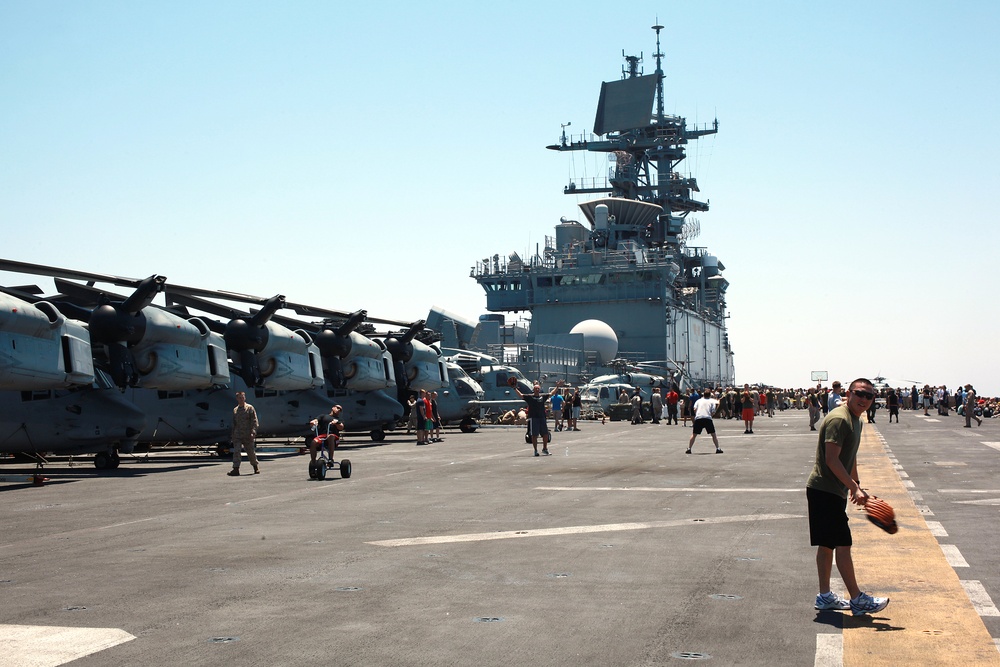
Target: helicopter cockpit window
(464, 389)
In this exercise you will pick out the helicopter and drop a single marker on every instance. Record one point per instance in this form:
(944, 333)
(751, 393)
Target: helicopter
(353, 360)
(356, 370)
(164, 351)
(41, 347)
(603, 390)
(493, 379)
(459, 401)
(77, 420)
(136, 343)
(105, 341)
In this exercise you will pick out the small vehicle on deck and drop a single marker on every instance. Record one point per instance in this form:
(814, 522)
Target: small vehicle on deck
(324, 461)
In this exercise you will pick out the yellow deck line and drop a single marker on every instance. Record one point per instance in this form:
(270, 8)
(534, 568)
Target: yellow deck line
(930, 619)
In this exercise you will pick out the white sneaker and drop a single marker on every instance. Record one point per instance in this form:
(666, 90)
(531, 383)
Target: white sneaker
(866, 604)
(828, 601)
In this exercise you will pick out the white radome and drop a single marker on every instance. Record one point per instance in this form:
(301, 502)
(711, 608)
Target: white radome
(599, 338)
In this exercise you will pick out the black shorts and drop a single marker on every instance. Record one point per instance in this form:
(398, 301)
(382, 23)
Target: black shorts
(538, 426)
(704, 423)
(827, 520)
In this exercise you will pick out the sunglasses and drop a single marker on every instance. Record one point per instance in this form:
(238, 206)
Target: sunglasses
(867, 395)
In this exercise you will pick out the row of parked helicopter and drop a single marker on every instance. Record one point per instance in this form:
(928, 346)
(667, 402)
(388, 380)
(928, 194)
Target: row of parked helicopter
(88, 370)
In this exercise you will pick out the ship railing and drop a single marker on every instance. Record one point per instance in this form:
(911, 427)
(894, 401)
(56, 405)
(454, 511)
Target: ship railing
(617, 258)
(592, 183)
(695, 251)
(580, 259)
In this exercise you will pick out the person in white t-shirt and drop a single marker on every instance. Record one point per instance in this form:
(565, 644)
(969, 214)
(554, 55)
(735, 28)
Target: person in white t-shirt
(704, 408)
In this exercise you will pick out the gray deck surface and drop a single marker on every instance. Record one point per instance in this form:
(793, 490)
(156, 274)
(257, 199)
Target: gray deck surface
(617, 550)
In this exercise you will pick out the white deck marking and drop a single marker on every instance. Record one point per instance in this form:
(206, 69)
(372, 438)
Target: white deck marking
(45, 646)
(829, 650)
(984, 501)
(576, 530)
(991, 491)
(937, 530)
(675, 489)
(994, 445)
(981, 600)
(931, 420)
(953, 556)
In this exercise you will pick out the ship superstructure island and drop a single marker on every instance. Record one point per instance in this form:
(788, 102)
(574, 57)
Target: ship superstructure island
(629, 268)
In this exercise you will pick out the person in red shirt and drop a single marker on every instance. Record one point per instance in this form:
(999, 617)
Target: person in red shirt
(672, 398)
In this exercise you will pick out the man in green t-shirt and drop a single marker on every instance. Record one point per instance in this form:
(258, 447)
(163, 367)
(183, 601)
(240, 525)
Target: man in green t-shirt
(834, 479)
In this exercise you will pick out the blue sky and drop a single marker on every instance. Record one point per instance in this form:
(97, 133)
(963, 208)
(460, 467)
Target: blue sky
(368, 156)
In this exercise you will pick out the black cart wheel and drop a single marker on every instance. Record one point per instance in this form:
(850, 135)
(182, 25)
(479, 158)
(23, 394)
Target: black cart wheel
(345, 468)
(312, 470)
(321, 469)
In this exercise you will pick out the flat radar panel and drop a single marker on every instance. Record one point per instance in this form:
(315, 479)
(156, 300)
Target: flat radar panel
(625, 104)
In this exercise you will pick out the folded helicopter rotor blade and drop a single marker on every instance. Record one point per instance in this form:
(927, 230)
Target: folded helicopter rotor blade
(24, 293)
(57, 272)
(217, 309)
(34, 290)
(299, 308)
(184, 290)
(84, 295)
(181, 290)
(326, 313)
